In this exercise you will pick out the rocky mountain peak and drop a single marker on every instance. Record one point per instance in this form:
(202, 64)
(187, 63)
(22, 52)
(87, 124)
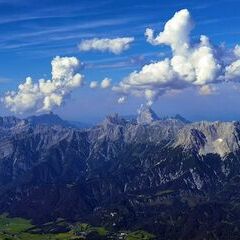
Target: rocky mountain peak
(146, 115)
(181, 118)
(114, 119)
(49, 119)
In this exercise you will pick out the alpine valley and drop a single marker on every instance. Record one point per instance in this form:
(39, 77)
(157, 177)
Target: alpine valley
(164, 178)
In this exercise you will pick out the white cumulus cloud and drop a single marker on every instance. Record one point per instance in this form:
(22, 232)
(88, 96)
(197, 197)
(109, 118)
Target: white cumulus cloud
(197, 65)
(116, 45)
(44, 95)
(233, 70)
(106, 83)
(93, 84)
(207, 90)
(237, 50)
(176, 31)
(122, 100)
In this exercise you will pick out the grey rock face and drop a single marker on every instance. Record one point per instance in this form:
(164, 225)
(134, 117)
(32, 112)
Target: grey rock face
(205, 137)
(146, 115)
(11, 122)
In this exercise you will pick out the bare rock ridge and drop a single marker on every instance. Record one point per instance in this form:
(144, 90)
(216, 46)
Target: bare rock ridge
(204, 137)
(146, 115)
(220, 138)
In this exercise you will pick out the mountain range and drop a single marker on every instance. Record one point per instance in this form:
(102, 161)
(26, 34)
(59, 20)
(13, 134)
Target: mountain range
(168, 176)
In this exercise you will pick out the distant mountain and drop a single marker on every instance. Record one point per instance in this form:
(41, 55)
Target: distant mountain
(49, 119)
(181, 118)
(175, 179)
(80, 125)
(52, 119)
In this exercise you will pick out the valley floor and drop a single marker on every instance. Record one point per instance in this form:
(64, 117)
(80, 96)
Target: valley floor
(22, 229)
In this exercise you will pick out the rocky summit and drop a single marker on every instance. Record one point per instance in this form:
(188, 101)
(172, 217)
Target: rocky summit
(146, 115)
(170, 177)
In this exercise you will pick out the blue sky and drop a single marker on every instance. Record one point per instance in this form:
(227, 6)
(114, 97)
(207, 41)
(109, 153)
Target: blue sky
(34, 32)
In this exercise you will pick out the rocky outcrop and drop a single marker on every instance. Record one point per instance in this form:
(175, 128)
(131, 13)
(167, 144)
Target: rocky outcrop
(146, 115)
(220, 138)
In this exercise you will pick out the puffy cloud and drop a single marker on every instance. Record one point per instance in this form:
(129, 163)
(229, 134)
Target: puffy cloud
(106, 83)
(197, 65)
(116, 45)
(237, 50)
(44, 95)
(233, 70)
(207, 90)
(150, 95)
(176, 32)
(93, 84)
(122, 100)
